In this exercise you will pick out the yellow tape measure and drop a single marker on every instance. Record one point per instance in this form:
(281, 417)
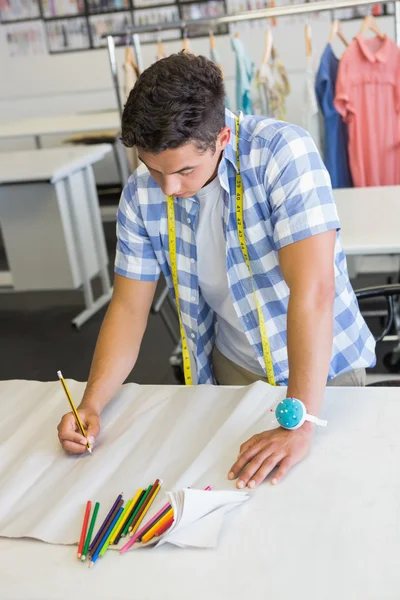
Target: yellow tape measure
(172, 251)
(187, 371)
(242, 240)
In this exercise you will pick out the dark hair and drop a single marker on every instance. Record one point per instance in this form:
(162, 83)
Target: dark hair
(178, 99)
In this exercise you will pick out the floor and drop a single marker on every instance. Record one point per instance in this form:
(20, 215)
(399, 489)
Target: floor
(37, 339)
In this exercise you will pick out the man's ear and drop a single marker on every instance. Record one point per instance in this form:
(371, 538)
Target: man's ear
(223, 137)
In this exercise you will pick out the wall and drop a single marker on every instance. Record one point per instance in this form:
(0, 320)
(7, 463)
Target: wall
(81, 81)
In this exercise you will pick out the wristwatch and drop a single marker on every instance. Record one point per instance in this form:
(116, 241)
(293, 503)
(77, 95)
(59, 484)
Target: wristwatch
(291, 414)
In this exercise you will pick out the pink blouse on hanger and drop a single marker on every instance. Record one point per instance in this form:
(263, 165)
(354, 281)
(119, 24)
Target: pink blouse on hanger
(368, 98)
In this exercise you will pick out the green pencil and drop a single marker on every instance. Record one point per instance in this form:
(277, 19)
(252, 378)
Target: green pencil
(138, 507)
(90, 532)
(136, 501)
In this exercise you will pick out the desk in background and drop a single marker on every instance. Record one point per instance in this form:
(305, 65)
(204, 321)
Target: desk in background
(51, 222)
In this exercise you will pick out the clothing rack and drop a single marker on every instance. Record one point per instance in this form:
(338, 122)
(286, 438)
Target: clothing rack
(251, 15)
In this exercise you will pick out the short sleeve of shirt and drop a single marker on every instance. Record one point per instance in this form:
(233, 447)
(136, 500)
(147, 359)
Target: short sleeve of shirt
(135, 258)
(299, 188)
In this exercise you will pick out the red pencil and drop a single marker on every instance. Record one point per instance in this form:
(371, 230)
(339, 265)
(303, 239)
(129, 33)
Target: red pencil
(167, 525)
(84, 528)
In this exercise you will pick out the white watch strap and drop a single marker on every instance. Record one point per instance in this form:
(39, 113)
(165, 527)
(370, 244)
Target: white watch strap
(315, 420)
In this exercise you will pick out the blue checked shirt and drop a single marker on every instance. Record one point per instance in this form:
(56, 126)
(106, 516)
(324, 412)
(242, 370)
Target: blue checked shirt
(287, 198)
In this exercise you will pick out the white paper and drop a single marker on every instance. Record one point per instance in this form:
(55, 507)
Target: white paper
(199, 516)
(187, 436)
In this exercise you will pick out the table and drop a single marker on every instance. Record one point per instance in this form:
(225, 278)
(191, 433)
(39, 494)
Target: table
(370, 219)
(37, 127)
(330, 531)
(51, 223)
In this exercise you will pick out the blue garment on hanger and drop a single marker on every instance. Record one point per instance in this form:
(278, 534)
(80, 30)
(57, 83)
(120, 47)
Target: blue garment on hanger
(244, 76)
(215, 58)
(336, 135)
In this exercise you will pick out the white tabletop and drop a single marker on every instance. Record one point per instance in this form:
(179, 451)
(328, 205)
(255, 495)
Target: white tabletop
(50, 164)
(60, 124)
(331, 530)
(370, 219)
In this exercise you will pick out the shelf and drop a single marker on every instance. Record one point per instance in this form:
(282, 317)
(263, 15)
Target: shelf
(63, 17)
(27, 20)
(109, 11)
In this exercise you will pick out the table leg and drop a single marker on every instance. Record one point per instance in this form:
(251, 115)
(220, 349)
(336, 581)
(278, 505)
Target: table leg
(98, 232)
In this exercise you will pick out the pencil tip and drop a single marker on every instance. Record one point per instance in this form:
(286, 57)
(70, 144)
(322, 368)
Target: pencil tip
(90, 450)
(91, 565)
(83, 558)
(59, 374)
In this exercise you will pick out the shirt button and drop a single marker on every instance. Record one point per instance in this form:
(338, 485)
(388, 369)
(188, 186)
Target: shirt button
(188, 220)
(192, 260)
(193, 335)
(193, 299)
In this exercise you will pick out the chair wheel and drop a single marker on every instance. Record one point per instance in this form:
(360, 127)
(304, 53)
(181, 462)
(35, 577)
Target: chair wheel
(391, 360)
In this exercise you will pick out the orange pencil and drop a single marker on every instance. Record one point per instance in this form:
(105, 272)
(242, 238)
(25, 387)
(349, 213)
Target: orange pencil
(157, 526)
(166, 526)
(84, 528)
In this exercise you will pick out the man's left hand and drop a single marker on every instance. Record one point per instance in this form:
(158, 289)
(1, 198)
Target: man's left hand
(264, 451)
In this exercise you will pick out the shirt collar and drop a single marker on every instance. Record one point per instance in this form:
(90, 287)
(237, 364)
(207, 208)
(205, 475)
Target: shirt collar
(381, 55)
(230, 150)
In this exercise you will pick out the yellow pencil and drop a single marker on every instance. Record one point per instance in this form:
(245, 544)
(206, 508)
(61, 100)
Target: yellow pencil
(157, 526)
(146, 509)
(77, 419)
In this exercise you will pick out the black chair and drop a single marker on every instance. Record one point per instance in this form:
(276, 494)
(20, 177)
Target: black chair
(391, 293)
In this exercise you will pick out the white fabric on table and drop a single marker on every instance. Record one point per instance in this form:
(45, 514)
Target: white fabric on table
(185, 436)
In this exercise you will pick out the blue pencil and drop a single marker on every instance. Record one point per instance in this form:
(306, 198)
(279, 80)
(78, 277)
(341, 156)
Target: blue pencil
(105, 538)
(104, 524)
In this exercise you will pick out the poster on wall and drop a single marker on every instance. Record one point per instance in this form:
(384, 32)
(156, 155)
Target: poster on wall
(25, 39)
(67, 34)
(17, 10)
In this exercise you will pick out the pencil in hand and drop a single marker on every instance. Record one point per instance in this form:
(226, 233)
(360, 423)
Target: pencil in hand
(75, 412)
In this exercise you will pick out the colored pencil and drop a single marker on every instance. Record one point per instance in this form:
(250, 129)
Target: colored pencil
(152, 521)
(120, 522)
(102, 538)
(157, 526)
(142, 499)
(104, 524)
(84, 528)
(90, 532)
(145, 507)
(166, 526)
(75, 412)
(135, 502)
(109, 530)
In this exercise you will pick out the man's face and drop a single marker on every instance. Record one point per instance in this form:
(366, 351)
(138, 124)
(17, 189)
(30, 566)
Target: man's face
(184, 171)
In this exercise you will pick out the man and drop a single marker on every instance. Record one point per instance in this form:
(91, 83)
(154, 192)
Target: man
(290, 312)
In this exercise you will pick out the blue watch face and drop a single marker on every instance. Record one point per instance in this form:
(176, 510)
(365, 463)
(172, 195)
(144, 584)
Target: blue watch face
(289, 413)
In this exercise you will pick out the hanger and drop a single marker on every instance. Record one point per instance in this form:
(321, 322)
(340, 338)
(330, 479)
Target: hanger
(160, 48)
(268, 46)
(185, 43)
(336, 30)
(130, 59)
(307, 32)
(272, 4)
(212, 41)
(370, 24)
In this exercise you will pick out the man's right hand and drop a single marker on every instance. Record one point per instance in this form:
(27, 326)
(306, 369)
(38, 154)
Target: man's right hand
(69, 435)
